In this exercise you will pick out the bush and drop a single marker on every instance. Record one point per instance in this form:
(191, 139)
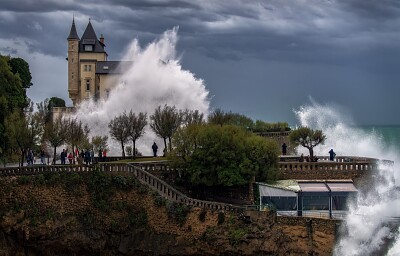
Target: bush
(23, 180)
(120, 182)
(178, 212)
(235, 235)
(40, 180)
(221, 218)
(202, 215)
(160, 201)
(138, 218)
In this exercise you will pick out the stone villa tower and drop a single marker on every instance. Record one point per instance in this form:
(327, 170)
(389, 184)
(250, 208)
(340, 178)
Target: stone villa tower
(90, 75)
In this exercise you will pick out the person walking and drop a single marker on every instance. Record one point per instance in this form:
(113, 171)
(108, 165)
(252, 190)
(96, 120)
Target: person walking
(155, 148)
(87, 157)
(332, 155)
(284, 149)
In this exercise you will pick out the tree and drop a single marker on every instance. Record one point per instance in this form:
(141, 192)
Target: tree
(227, 155)
(55, 133)
(99, 143)
(119, 130)
(21, 67)
(55, 102)
(193, 117)
(43, 111)
(12, 100)
(308, 138)
(219, 117)
(165, 122)
(135, 127)
(77, 134)
(17, 132)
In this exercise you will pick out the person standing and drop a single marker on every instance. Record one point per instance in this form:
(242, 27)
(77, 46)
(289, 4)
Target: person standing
(284, 149)
(63, 156)
(42, 157)
(155, 148)
(104, 155)
(332, 155)
(70, 158)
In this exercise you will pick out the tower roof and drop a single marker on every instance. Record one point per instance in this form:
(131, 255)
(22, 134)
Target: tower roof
(73, 34)
(89, 38)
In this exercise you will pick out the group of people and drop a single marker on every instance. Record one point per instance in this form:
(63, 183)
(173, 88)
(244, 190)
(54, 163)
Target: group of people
(84, 156)
(31, 158)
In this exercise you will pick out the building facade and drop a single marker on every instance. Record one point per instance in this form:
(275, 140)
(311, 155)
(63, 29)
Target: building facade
(90, 74)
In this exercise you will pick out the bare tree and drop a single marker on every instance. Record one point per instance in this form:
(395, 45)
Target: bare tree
(219, 117)
(165, 122)
(135, 127)
(193, 117)
(118, 130)
(99, 143)
(77, 134)
(55, 133)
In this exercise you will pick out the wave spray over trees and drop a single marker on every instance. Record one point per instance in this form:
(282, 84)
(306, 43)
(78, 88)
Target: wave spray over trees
(368, 229)
(154, 78)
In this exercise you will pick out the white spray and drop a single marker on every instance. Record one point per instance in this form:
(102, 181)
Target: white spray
(155, 78)
(365, 229)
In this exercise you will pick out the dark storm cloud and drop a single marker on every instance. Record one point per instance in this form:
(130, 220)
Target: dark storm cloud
(383, 9)
(37, 5)
(310, 41)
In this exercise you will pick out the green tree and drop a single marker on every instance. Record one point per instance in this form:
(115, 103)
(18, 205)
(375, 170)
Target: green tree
(119, 130)
(307, 138)
(227, 155)
(21, 67)
(165, 122)
(55, 102)
(135, 127)
(17, 132)
(55, 133)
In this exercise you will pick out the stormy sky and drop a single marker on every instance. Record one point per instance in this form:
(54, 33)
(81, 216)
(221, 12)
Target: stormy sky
(259, 58)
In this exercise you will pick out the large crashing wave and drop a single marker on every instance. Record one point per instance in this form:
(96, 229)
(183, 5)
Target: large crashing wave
(155, 78)
(366, 230)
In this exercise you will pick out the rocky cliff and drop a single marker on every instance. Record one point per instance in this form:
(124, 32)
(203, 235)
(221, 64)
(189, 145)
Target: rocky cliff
(113, 214)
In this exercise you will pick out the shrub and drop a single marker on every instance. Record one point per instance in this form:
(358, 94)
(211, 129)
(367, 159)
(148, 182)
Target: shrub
(160, 201)
(221, 218)
(202, 215)
(138, 218)
(235, 235)
(23, 180)
(178, 212)
(40, 180)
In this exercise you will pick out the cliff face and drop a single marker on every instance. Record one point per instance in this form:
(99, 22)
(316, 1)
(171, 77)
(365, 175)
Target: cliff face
(104, 214)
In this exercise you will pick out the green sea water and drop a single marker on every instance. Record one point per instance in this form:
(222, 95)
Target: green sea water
(388, 134)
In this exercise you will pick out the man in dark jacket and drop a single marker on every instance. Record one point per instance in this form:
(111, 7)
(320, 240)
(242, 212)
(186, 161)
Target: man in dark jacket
(155, 148)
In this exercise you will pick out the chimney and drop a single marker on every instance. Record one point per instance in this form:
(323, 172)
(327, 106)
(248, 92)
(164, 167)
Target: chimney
(102, 39)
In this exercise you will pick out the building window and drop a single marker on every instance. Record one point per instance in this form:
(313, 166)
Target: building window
(86, 68)
(90, 67)
(88, 48)
(107, 93)
(72, 60)
(87, 84)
